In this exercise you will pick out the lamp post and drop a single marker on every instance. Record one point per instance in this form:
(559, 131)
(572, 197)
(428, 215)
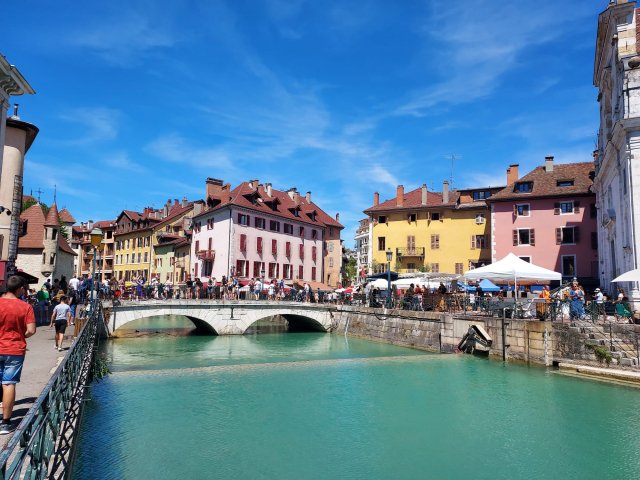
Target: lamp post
(96, 239)
(389, 257)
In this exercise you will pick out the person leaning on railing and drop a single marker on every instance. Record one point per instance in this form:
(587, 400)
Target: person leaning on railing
(17, 323)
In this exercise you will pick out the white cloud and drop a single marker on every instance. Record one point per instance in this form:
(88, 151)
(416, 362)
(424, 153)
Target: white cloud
(379, 174)
(176, 149)
(120, 161)
(94, 124)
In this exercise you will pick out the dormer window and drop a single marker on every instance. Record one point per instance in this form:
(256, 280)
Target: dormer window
(480, 195)
(413, 217)
(382, 219)
(564, 183)
(523, 187)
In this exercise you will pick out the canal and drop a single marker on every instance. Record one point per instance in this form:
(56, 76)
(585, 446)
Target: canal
(320, 406)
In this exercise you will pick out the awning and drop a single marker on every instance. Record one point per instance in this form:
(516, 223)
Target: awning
(28, 277)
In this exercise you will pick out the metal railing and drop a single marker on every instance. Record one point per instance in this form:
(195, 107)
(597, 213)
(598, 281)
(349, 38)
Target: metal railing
(42, 445)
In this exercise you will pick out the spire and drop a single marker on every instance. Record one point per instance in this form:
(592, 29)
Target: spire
(52, 217)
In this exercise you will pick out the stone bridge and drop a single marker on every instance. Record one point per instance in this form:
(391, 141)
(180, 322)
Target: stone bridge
(228, 317)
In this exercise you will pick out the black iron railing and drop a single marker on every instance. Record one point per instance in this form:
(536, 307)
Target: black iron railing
(42, 445)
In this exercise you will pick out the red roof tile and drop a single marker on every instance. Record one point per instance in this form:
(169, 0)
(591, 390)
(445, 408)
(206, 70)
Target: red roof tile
(34, 216)
(64, 246)
(66, 216)
(413, 200)
(53, 220)
(545, 184)
(243, 195)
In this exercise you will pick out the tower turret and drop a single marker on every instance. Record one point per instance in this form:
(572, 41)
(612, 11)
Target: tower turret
(50, 241)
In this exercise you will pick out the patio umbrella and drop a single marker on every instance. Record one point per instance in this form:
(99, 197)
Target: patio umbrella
(630, 276)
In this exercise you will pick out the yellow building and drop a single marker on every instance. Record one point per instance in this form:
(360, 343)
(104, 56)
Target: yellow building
(137, 235)
(447, 232)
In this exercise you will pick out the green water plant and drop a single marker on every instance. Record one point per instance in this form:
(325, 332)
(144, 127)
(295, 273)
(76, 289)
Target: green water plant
(100, 367)
(602, 354)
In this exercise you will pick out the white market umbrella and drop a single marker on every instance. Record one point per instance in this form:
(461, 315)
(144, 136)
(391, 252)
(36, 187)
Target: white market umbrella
(630, 276)
(379, 283)
(513, 268)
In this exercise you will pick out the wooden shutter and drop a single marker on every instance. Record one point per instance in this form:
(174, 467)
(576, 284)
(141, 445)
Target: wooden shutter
(532, 237)
(301, 252)
(259, 244)
(515, 210)
(556, 209)
(243, 243)
(473, 242)
(558, 236)
(274, 246)
(197, 246)
(515, 237)
(288, 249)
(576, 207)
(576, 234)
(313, 253)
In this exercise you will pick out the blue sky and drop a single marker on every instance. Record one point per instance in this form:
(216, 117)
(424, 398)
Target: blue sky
(140, 101)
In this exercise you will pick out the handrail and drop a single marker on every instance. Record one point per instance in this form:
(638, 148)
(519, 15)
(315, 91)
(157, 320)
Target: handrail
(42, 444)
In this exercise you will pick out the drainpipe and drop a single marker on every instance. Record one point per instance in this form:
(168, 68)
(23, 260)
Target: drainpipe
(229, 244)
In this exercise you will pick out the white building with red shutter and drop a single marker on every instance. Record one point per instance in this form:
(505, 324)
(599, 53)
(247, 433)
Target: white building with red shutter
(256, 231)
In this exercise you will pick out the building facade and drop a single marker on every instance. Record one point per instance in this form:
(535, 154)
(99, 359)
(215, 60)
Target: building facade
(445, 232)
(548, 217)
(256, 231)
(362, 245)
(617, 173)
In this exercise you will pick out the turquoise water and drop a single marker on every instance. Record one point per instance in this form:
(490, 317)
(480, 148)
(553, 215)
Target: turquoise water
(319, 406)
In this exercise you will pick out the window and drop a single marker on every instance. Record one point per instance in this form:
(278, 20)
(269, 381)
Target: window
(197, 227)
(288, 228)
(480, 195)
(54, 234)
(382, 219)
(301, 252)
(330, 247)
(411, 267)
(521, 210)
(243, 243)
(301, 272)
(330, 262)
(435, 267)
(301, 232)
(526, 259)
(243, 219)
(287, 249)
(287, 271)
(480, 218)
(139, 258)
(413, 217)
(274, 247)
(567, 235)
(197, 246)
(382, 244)
(146, 258)
(566, 208)
(564, 183)
(274, 226)
(523, 187)
(44, 257)
(313, 273)
(210, 224)
(524, 236)
(569, 265)
(274, 270)
(459, 268)
(435, 242)
(258, 269)
(259, 245)
(314, 234)
(436, 216)
(478, 241)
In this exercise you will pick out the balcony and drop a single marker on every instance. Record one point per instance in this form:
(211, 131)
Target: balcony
(410, 252)
(206, 254)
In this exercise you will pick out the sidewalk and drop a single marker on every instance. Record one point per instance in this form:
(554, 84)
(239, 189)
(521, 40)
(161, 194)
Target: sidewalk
(627, 376)
(40, 362)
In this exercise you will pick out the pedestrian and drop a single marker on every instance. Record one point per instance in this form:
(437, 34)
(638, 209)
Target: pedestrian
(17, 323)
(576, 307)
(60, 317)
(599, 298)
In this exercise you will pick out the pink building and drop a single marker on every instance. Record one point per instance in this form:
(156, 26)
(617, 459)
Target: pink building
(256, 231)
(548, 217)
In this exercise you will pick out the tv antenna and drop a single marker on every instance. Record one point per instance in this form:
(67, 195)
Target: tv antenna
(453, 157)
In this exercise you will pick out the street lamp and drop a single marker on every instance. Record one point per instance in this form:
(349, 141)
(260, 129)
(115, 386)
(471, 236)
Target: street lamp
(389, 257)
(96, 239)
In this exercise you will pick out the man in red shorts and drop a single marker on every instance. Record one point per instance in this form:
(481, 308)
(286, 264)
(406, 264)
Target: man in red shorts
(17, 323)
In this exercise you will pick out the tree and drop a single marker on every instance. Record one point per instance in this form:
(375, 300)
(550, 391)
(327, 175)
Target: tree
(350, 270)
(64, 230)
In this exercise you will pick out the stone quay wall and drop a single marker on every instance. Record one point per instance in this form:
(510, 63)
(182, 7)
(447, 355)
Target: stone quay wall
(525, 340)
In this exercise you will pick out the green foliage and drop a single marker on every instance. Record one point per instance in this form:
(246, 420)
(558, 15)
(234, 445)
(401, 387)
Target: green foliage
(100, 367)
(64, 230)
(350, 270)
(376, 267)
(602, 354)
(424, 268)
(31, 202)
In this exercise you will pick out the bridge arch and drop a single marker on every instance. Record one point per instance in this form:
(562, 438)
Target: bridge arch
(202, 327)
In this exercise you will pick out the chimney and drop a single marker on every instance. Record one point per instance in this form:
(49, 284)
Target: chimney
(90, 225)
(197, 208)
(254, 184)
(548, 164)
(400, 196)
(596, 155)
(512, 174)
(337, 217)
(445, 191)
(175, 202)
(308, 197)
(376, 199)
(225, 194)
(268, 189)
(293, 194)
(214, 187)
(184, 201)
(424, 194)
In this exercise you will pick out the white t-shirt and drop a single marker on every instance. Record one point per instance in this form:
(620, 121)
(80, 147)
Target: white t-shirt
(61, 311)
(599, 297)
(74, 283)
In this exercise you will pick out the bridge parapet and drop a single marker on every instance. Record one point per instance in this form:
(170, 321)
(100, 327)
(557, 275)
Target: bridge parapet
(225, 317)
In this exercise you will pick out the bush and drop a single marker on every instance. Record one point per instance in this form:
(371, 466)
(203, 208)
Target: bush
(602, 354)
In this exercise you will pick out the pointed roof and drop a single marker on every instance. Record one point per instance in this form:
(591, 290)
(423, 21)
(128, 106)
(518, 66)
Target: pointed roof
(63, 246)
(66, 216)
(52, 219)
(34, 219)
